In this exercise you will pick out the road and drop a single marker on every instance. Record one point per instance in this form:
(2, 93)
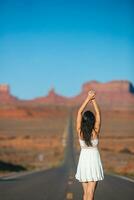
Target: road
(59, 183)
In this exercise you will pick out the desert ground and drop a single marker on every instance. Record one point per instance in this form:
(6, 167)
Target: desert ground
(33, 137)
(116, 142)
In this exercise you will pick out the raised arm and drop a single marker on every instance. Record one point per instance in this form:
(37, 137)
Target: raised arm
(97, 116)
(80, 111)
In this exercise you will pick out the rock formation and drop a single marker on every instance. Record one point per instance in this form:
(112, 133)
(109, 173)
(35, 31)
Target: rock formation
(113, 94)
(5, 95)
(52, 98)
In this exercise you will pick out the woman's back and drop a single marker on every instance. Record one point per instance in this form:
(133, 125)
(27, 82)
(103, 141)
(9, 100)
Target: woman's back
(93, 141)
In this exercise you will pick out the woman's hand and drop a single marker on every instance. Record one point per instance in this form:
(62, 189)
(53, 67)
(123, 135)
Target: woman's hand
(91, 94)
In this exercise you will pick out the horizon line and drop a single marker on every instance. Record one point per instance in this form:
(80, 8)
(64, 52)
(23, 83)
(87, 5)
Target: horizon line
(53, 89)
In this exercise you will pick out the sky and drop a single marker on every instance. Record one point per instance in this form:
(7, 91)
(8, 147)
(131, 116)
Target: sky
(64, 43)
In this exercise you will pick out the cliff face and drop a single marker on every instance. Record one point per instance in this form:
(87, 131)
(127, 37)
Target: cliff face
(52, 98)
(4, 88)
(113, 94)
(5, 95)
(113, 86)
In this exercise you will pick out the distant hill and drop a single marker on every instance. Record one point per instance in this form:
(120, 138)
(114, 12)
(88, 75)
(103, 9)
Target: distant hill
(113, 94)
(5, 94)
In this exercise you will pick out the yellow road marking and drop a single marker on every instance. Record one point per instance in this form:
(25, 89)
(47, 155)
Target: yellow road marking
(70, 177)
(69, 195)
(70, 182)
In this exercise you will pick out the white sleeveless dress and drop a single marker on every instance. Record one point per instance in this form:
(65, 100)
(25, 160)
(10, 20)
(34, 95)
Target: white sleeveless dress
(89, 166)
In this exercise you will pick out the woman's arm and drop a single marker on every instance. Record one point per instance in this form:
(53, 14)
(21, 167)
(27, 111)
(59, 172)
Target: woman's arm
(97, 116)
(80, 111)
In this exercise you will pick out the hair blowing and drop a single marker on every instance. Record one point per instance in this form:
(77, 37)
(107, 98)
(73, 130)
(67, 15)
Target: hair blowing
(87, 125)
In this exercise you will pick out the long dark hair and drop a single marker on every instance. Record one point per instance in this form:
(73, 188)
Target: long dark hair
(87, 125)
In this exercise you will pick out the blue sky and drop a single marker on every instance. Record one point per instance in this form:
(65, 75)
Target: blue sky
(63, 44)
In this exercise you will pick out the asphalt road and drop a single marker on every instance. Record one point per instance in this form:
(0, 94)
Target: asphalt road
(59, 183)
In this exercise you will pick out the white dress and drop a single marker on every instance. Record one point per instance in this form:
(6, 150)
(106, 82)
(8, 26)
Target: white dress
(89, 166)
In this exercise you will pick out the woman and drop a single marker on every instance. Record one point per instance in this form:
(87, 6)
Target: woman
(89, 168)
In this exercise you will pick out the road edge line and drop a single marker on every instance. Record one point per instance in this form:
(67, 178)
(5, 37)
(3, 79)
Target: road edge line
(120, 176)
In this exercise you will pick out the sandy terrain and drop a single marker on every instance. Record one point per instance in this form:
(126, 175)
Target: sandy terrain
(33, 142)
(31, 136)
